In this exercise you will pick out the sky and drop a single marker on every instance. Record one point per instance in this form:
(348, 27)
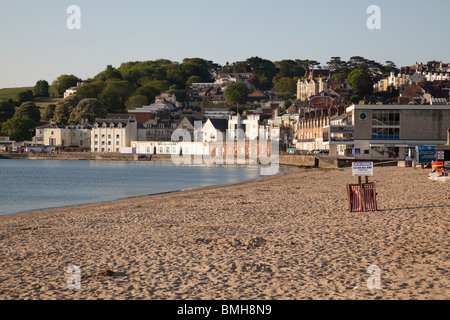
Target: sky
(36, 44)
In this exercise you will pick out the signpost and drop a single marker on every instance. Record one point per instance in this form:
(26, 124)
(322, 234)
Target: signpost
(362, 196)
(362, 169)
(425, 154)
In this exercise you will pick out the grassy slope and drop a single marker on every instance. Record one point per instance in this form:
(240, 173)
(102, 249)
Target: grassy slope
(11, 93)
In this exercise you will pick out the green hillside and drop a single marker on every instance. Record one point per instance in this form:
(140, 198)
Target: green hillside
(11, 93)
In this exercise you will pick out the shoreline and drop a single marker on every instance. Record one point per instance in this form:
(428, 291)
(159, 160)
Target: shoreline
(112, 202)
(282, 237)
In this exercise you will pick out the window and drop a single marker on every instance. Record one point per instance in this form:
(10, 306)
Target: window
(386, 124)
(95, 142)
(103, 135)
(385, 133)
(81, 143)
(103, 143)
(386, 118)
(117, 149)
(109, 136)
(117, 136)
(96, 136)
(96, 149)
(117, 143)
(109, 143)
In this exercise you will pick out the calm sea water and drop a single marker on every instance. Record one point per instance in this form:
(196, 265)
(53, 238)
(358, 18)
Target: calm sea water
(27, 185)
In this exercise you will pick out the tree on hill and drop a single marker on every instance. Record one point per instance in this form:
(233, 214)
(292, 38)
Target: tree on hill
(30, 110)
(290, 69)
(193, 79)
(65, 82)
(115, 94)
(7, 110)
(236, 93)
(197, 67)
(19, 128)
(336, 64)
(41, 89)
(357, 62)
(361, 82)
(25, 96)
(91, 89)
(87, 109)
(136, 101)
(64, 108)
(308, 64)
(48, 112)
(148, 91)
(109, 73)
(286, 87)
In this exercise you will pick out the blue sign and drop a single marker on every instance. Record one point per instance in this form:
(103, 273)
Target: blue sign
(425, 154)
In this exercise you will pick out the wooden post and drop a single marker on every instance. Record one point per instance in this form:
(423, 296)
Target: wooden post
(363, 200)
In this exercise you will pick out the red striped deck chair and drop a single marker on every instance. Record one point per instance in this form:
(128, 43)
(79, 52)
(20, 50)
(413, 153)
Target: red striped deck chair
(354, 197)
(369, 197)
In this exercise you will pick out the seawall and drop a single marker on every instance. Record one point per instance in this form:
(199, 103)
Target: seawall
(84, 156)
(292, 160)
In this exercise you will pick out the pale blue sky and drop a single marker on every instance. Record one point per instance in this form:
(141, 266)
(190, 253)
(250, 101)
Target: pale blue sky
(36, 44)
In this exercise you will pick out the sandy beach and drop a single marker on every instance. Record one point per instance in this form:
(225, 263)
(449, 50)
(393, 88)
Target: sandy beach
(287, 237)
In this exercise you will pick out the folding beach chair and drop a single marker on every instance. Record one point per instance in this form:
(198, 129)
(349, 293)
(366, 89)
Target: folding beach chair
(370, 196)
(354, 197)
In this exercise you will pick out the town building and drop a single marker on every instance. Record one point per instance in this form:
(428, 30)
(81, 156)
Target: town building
(214, 130)
(225, 79)
(157, 130)
(5, 142)
(52, 134)
(159, 110)
(374, 131)
(315, 82)
(72, 90)
(114, 133)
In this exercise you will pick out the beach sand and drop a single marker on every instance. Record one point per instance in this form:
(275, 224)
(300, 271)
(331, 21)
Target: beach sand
(281, 237)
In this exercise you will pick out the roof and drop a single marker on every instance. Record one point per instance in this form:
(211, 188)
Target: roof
(257, 94)
(119, 116)
(51, 125)
(189, 119)
(110, 122)
(220, 124)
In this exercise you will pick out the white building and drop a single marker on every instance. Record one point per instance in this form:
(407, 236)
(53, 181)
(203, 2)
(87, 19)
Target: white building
(57, 135)
(214, 130)
(72, 90)
(113, 133)
(251, 126)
